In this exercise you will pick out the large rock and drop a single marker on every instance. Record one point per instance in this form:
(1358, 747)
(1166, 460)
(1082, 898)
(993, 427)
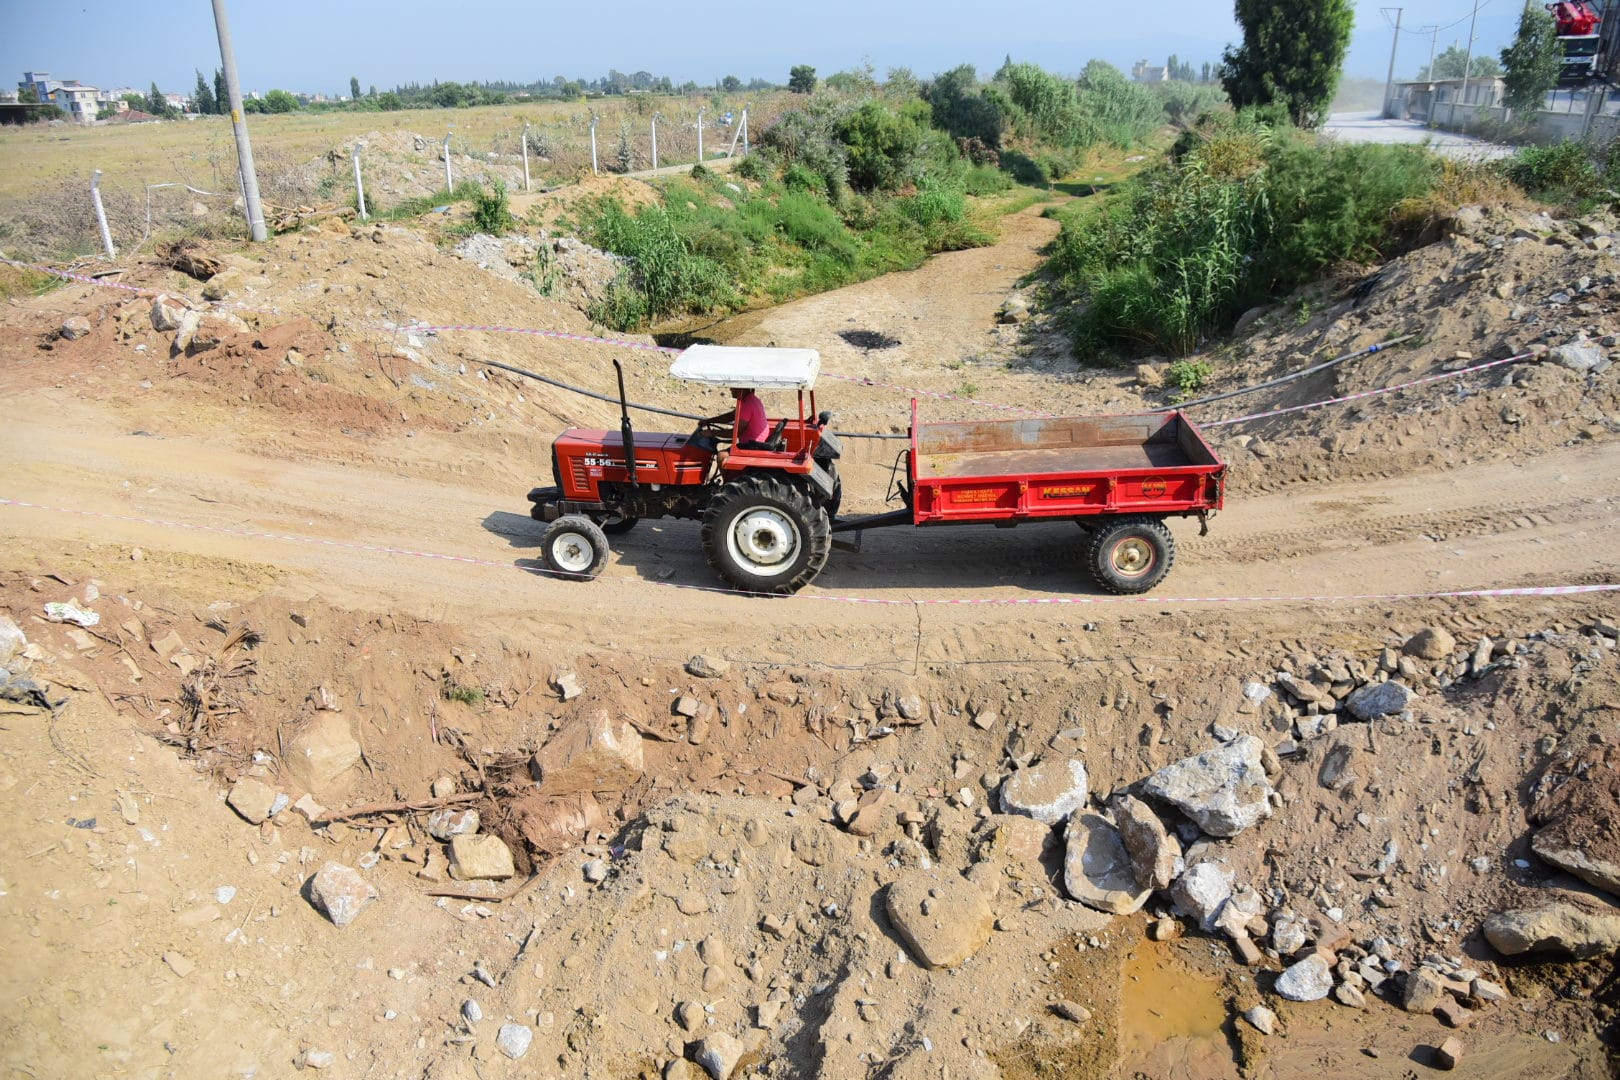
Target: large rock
(1430, 643)
(204, 330)
(1309, 980)
(1559, 928)
(1153, 851)
(252, 799)
(1224, 790)
(943, 919)
(1423, 991)
(590, 753)
(321, 751)
(1097, 868)
(1577, 818)
(75, 327)
(1048, 792)
(168, 310)
(1580, 357)
(480, 856)
(1379, 699)
(1200, 893)
(340, 893)
(719, 1054)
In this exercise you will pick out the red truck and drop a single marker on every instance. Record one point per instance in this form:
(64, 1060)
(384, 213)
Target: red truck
(770, 510)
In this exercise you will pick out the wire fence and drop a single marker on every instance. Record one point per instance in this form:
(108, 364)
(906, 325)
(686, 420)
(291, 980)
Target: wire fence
(195, 191)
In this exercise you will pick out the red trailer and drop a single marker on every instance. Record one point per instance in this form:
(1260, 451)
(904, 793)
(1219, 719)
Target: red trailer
(1118, 476)
(770, 508)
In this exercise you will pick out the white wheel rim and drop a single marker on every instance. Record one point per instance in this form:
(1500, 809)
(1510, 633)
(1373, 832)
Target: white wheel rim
(763, 541)
(1133, 557)
(572, 551)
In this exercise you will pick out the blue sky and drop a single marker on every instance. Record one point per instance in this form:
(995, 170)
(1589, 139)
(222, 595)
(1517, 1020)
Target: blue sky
(310, 46)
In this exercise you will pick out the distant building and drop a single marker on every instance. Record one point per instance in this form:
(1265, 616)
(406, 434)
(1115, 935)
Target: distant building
(1145, 72)
(82, 103)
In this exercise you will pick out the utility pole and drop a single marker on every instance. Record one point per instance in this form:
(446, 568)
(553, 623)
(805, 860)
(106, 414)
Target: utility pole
(1389, 80)
(244, 148)
(1468, 62)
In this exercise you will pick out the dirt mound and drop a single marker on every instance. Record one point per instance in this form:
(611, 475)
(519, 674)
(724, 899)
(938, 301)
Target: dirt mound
(305, 547)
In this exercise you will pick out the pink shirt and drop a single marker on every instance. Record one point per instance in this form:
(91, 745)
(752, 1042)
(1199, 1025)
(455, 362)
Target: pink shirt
(751, 423)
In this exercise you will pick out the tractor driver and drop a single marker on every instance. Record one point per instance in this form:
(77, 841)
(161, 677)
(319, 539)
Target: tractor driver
(752, 426)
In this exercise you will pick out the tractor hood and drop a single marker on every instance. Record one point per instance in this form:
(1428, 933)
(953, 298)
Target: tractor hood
(755, 368)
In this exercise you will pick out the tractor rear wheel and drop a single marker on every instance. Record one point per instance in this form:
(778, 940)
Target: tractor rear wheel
(1130, 555)
(574, 547)
(763, 534)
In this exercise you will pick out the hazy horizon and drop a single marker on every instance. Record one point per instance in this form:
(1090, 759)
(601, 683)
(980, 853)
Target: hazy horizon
(408, 41)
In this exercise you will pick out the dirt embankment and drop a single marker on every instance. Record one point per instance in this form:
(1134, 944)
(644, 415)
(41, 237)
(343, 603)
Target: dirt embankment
(729, 863)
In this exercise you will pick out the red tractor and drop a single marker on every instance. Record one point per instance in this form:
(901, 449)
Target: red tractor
(769, 508)
(766, 507)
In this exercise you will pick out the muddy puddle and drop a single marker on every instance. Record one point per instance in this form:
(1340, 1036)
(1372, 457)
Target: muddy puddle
(1173, 1021)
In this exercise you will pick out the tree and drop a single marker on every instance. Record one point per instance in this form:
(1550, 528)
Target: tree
(1533, 61)
(388, 101)
(202, 98)
(136, 101)
(156, 103)
(731, 84)
(1449, 65)
(354, 88)
(27, 94)
(1205, 76)
(802, 79)
(280, 101)
(222, 96)
(1292, 55)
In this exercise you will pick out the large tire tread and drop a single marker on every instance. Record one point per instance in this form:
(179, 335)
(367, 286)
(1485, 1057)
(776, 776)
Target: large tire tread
(766, 489)
(1106, 536)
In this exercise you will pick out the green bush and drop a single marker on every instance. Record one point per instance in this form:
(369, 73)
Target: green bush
(884, 149)
(1561, 171)
(1242, 214)
(666, 275)
(491, 212)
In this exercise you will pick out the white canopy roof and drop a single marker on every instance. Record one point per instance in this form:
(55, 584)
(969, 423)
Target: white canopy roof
(756, 367)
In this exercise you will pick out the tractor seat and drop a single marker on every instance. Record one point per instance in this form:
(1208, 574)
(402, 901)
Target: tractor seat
(772, 442)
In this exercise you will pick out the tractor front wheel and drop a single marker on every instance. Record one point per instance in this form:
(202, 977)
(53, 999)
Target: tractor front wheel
(1130, 555)
(575, 547)
(765, 535)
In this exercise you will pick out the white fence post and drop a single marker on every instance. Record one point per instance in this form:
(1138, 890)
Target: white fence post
(655, 141)
(449, 181)
(101, 214)
(359, 185)
(525, 155)
(700, 137)
(593, 146)
(745, 132)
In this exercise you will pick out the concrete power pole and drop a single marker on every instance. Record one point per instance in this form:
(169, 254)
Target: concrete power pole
(1389, 80)
(1467, 63)
(244, 148)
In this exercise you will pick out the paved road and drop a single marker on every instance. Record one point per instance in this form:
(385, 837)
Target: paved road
(1371, 127)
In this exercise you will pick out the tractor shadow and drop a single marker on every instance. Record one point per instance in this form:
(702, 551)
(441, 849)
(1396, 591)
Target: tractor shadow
(1042, 558)
(518, 530)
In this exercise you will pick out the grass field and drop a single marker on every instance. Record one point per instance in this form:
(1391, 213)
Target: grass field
(202, 152)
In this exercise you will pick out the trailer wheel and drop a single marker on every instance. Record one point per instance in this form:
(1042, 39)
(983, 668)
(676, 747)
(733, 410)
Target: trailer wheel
(1130, 555)
(575, 547)
(765, 535)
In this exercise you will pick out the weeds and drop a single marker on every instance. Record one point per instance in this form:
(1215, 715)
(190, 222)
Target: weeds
(451, 690)
(492, 213)
(1241, 212)
(1189, 376)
